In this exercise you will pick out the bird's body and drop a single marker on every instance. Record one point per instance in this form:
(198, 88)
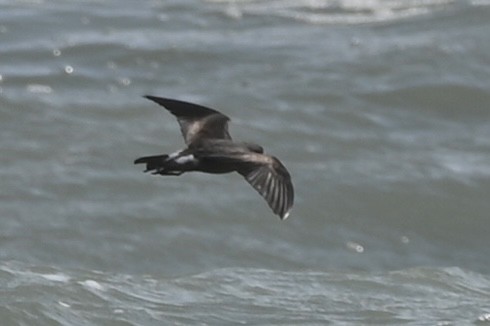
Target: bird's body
(210, 149)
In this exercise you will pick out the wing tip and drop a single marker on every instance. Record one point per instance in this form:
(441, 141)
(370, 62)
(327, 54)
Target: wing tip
(153, 98)
(285, 215)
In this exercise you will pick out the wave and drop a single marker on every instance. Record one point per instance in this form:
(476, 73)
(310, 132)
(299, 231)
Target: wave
(340, 11)
(241, 295)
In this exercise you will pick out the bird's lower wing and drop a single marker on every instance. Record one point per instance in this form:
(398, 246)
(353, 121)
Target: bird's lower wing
(266, 174)
(272, 184)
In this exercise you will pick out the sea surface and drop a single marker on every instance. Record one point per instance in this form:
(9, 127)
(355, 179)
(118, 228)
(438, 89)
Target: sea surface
(380, 109)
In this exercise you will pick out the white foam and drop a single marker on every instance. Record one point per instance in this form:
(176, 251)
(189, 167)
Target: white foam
(64, 304)
(354, 246)
(39, 89)
(58, 277)
(93, 285)
(336, 12)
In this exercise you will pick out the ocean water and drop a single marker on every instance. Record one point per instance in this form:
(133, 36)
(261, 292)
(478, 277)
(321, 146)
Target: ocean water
(380, 110)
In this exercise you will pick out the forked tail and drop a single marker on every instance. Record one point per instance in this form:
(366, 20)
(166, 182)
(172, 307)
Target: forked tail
(153, 163)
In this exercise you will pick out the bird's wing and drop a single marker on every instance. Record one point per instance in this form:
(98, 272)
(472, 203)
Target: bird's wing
(272, 181)
(196, 121)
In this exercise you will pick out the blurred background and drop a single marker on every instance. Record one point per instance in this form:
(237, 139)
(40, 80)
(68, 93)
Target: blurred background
(380, 110)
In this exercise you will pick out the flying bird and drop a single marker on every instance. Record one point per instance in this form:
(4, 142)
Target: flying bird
(210, 149)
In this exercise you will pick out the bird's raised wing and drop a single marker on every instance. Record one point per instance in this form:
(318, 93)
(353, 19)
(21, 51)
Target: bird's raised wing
(272, 181)
(196, 121)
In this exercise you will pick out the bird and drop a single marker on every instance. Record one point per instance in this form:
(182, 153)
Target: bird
(210, 149)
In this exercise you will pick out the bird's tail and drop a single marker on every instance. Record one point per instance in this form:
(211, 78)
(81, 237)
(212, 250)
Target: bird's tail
(152, 162)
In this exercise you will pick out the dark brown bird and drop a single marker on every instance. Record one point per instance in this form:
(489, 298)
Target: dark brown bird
(210, 149)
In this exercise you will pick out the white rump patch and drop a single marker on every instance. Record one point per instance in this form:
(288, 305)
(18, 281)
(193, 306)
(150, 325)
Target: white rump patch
(185, 159)
(174, 155)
